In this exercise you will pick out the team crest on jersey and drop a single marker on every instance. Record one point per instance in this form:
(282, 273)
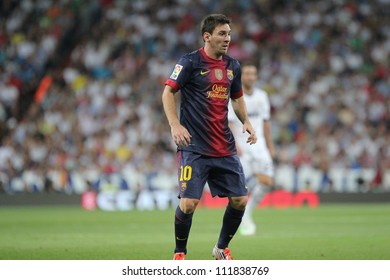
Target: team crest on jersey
(176, 71)
(230, 74)
(183, 186)
(218, 74)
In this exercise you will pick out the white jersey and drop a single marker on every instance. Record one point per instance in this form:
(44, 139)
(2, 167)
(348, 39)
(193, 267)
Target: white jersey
(255, 158)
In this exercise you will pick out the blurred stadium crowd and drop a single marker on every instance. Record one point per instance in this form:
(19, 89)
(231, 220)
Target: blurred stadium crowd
(325, 64)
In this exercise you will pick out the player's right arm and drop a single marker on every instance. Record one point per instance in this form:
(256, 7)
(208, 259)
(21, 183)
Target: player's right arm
(179, 133)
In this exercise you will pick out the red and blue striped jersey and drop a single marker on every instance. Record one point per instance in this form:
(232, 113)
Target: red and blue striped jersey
(206, 85)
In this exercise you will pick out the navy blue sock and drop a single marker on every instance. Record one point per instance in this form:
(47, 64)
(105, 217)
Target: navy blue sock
(231, 221)
(182, 230)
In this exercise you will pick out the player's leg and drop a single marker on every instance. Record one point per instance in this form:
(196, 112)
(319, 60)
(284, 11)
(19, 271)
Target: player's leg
(262, 185)
(183, 222)
(190, 191)
(230, 224)
(228, 180)
(261, 171)
(249, 164)
(231, 220)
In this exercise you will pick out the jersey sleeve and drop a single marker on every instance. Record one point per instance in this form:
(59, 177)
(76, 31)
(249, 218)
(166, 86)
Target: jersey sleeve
(180, 74)
(236, 87)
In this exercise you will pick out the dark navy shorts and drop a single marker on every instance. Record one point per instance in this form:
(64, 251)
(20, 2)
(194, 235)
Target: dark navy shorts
(224, 175)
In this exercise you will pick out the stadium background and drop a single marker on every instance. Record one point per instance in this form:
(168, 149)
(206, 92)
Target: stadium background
(80, 105)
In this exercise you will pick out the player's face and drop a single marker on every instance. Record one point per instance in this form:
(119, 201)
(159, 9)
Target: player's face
(248, 76)
(219, 40)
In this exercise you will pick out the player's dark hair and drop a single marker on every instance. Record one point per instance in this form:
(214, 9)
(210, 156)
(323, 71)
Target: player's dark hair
(211, 21)
(248, 63)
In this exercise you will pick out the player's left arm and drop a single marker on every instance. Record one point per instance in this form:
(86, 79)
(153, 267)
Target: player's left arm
(268, 138)
(239, 108)
(267, 125)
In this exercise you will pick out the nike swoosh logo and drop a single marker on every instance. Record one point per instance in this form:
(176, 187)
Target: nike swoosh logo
(204, 72)
(181, 238)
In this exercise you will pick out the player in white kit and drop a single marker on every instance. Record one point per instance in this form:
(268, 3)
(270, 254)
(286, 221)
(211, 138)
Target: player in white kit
(257, 160)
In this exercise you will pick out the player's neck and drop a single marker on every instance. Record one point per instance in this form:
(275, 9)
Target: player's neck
(211, 53)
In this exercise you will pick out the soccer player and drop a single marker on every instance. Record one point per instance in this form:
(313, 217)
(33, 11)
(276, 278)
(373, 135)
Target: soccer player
(257, 160)
(207, 78)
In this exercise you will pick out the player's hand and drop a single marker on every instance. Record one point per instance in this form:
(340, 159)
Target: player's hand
(180, 135)
(252, 139)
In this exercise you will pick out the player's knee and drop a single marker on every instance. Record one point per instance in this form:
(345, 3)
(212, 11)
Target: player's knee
(188, 205)
(266, 181)
(239, 203)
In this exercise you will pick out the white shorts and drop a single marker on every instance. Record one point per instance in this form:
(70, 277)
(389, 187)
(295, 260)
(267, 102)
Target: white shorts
(259, 164)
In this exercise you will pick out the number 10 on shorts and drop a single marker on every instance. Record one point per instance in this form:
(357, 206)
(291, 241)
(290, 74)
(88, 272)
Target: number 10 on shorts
(185, 173)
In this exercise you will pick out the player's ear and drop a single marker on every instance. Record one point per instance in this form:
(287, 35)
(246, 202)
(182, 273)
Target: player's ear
(206, 36)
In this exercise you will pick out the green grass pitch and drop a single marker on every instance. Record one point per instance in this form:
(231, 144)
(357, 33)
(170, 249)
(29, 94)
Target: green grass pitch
(329, 232)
